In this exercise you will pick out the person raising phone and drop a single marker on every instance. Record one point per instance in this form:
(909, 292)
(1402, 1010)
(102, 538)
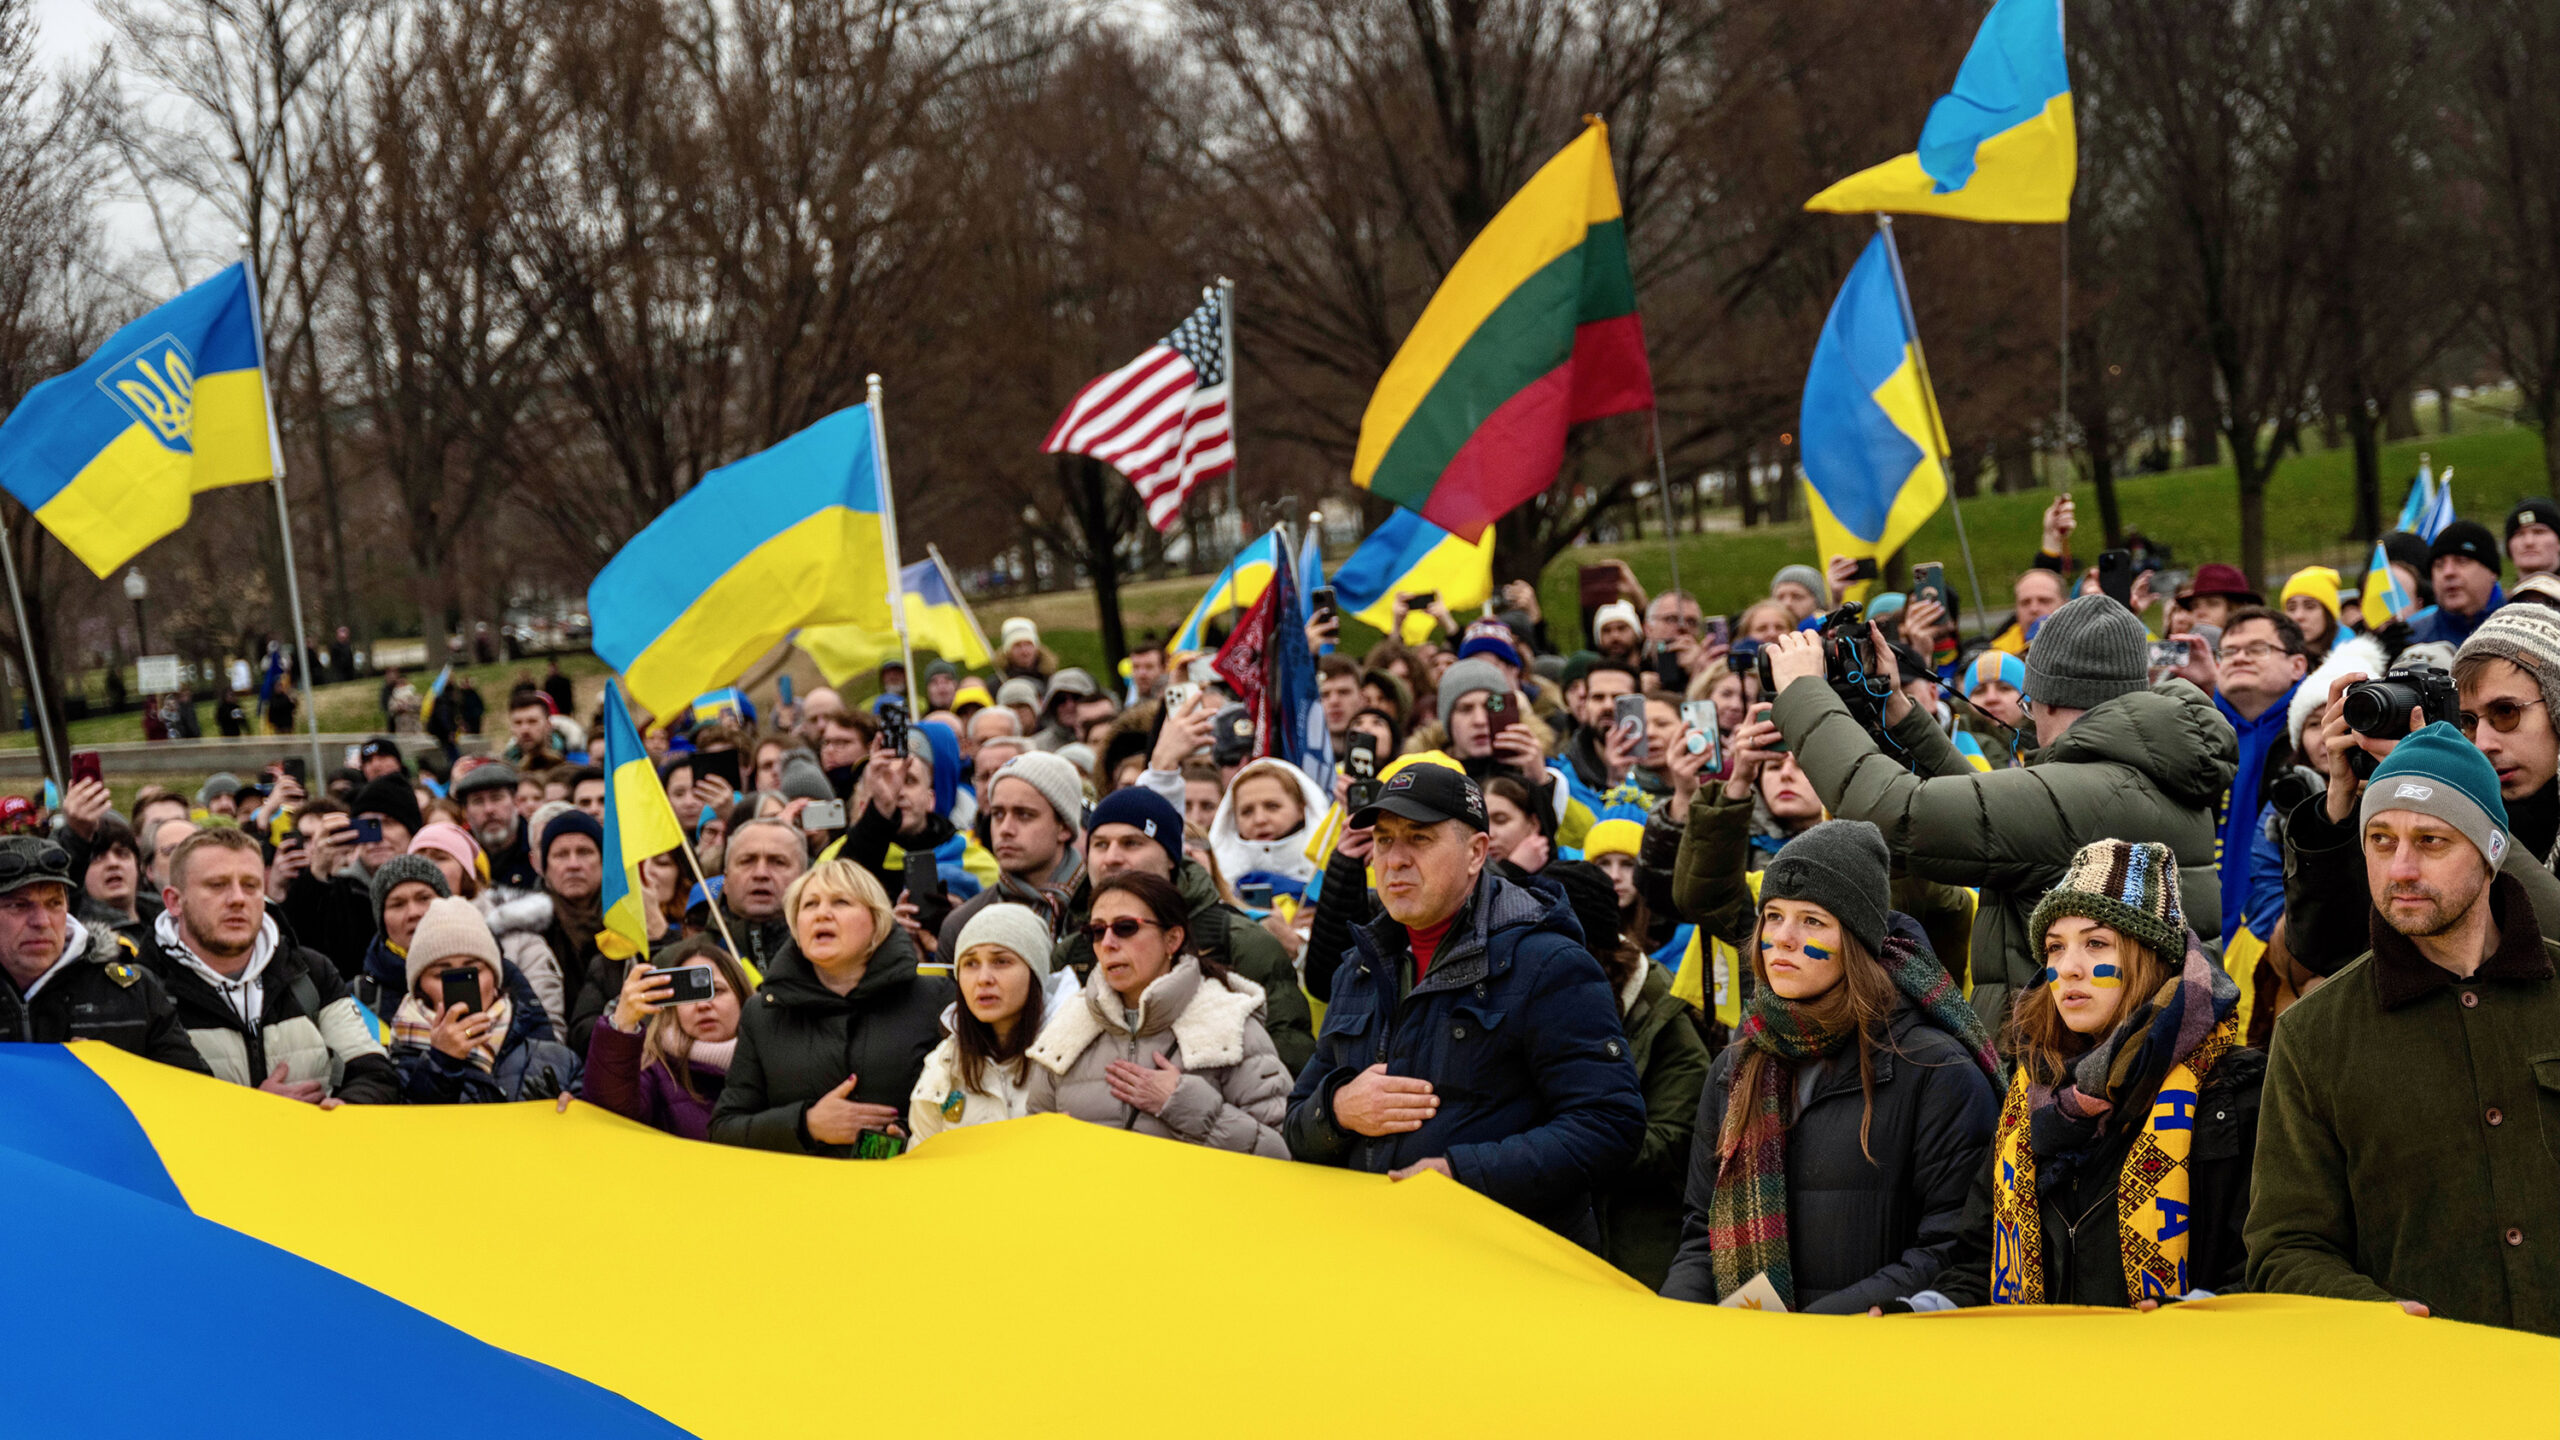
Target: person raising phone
(458, 1037)
(665, 1064)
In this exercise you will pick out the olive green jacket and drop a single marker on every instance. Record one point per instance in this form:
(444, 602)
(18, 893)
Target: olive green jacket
(1640, 1212)
(2151, 765)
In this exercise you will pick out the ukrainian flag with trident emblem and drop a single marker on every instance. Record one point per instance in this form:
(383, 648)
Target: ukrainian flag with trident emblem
(110, 456)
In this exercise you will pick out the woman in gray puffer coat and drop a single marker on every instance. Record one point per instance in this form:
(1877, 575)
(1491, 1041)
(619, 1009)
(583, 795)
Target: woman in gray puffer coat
(1161, 1042)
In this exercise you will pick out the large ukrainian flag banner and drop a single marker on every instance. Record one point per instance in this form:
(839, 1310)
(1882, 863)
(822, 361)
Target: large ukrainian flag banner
(145, 1194)
(2001, 146)
(110, 456)
(785, 538)
(1871, 432)
(639, 822)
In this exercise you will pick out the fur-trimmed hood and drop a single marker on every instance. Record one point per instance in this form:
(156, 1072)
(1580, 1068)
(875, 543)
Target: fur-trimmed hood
(1207, 1018)
(526, 914)
(1285, 859)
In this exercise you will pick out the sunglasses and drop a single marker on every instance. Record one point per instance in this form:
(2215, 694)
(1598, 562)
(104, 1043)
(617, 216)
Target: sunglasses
(2503, 716)
(1124, 928)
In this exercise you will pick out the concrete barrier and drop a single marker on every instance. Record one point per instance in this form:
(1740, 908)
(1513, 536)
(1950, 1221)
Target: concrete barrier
(240, 756)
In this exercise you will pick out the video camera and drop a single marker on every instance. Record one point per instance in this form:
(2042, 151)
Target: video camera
(1849, 663)
(2379, 709)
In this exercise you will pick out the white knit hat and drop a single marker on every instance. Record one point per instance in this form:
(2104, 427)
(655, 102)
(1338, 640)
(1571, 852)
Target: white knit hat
(450, 930)
(1017, 928)
(1017, 628)
(1055, 779)
(1616, 612)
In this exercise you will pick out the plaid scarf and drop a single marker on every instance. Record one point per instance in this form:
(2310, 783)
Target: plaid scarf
(413, 1024)
(1747, 1217)
(2177, 1034)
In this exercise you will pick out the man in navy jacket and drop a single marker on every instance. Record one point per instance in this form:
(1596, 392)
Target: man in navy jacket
(1469, 1031)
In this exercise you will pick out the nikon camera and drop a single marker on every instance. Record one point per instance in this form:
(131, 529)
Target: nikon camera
(1849, 663)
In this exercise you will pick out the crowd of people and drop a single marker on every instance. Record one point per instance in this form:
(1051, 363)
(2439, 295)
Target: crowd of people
(1809, 957)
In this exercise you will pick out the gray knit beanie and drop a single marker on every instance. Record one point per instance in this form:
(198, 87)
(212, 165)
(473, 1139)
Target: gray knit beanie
(2526, 636)
(399, 870)
(1842, 866)
(1055, 779)
(1804, 575)
(1464, 679)
(1017, 928)
(2087, 653)
(802, 779)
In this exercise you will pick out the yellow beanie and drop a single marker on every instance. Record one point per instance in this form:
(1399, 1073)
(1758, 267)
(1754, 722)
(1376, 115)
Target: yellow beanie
(2317, 581)
(1613, 837)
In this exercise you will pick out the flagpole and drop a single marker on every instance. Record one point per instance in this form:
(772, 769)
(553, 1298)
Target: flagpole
(1937, 429)
(36, 697)
(1662, 482)
(1226, 291)
(889, 539)
(284, 518)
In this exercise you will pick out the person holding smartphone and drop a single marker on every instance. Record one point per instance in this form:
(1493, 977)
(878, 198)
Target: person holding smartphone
(661, 1063)
(458, 1037)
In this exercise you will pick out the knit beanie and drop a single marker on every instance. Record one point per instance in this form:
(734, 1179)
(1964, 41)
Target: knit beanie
(802, 779)
(2527, 636)
(1804, 575)
(2317, 581)
(1616, 612)
(453, 840)
(1146, 811)
(1997, 665)
(1018, 691)
(1017, 928)
(216, 785)
(1842, 866)
(399, 870)
(1016, 628)
(572, 821)
(2533, 510)
(1613, 835)
(390, 797)
(2132, 888)
(450, 930)
(2437, 772)
(1466, 678)
(2087, 653)
(1055, 779)
(2469, 539)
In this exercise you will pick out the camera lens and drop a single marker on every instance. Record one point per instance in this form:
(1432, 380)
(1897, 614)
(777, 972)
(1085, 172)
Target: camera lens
(2379, 709)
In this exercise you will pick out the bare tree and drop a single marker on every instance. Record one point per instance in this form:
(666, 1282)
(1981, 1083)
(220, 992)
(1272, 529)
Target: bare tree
(2508, 103)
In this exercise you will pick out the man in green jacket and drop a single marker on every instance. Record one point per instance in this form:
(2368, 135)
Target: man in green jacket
(1137, 829)
(2406, 1140)
(2114, 760)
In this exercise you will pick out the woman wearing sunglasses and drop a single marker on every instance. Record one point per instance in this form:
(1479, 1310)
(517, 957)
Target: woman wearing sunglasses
(1162, 1042)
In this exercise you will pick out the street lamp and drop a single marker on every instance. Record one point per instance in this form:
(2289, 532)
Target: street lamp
(137, 590)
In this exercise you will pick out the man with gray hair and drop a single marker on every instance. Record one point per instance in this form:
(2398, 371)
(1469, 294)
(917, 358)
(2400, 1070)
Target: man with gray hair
(764, 856)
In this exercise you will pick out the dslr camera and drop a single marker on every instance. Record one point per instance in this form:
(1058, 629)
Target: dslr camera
(2379, 709)
(1849, 663)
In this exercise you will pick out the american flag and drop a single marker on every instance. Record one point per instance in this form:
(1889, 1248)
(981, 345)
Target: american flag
(1162, 418)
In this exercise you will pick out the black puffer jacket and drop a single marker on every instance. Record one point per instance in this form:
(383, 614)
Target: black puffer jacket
(1861, 1232)
(2083, 1248)
(797, 1040)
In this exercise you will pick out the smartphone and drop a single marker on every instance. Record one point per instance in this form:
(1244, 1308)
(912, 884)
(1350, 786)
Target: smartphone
(84, 766)
(2115, 576)
(723, 763)
(1600, 584)
(462, 987)
(1177, 695)
(1422, 600)
(893, 728)
(1700, 716)
(924, 881)
(1763, 713)
(368, 829)
(692, 982)
(782, 687)
(820, 815)
(1256, 894)
(300, 770)
(1929, 582)
(1716, 633)
(878, 1145)
(1321, 598)
(1863, 569)
(1360, 757)
(1629, 715)
(1501, 712)
(2167, 655)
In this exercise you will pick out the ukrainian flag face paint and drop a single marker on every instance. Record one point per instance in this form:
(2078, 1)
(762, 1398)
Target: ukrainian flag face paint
(2105, 976)
(1815, 952)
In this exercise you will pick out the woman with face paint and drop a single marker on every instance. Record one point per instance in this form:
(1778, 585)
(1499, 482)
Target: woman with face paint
(1841, 1128)
(2120, 1173)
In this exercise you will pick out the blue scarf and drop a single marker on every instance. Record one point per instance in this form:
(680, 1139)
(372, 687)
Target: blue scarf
(2258, 740)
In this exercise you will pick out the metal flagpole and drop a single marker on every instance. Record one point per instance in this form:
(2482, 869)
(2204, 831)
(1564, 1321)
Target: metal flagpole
(284, 517)
(1662, 482)
(889, 539)
(1937, 426)
(1226, 292)
(36, 696)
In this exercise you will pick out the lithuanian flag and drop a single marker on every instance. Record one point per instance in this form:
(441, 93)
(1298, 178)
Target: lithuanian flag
(1533, 332)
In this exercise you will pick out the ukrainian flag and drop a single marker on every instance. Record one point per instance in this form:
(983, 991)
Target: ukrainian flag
(2001, 146)
(938, 620)
(724, 704)
(786, 538)
(2383, 599)
(110, 456)
(1406, 556)
(2421, 501)
(638, 823)
(1872, 436)
(435, 692)
(1237, 586)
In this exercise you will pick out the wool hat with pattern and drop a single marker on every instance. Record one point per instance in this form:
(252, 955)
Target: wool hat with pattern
(2129, 887)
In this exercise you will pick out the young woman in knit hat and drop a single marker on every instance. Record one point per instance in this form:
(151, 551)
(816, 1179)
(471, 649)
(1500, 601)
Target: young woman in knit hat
(2120, 1172)
(980, 1073)
(449, 1052)
(1841, 1129)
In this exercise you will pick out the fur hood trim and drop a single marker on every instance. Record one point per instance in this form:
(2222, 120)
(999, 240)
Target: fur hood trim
(1207, 1018)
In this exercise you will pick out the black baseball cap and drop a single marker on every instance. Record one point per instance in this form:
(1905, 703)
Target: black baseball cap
(2533, 510)
(1428, 794)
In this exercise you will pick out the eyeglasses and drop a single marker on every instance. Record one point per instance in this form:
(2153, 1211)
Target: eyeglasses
(2503, 716)
(2260, 651)
(1124, 928)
